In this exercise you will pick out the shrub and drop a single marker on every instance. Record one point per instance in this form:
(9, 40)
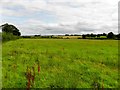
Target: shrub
(8, 37)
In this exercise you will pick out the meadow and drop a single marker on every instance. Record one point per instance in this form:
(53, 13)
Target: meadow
(60, 63)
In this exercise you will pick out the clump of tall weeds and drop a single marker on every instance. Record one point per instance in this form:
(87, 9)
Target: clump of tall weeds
(30, 75)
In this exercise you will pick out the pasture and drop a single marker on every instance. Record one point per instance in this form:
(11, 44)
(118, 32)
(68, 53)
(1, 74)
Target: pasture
(64, 63)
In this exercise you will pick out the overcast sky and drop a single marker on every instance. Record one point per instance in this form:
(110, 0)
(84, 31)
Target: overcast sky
(60, 16)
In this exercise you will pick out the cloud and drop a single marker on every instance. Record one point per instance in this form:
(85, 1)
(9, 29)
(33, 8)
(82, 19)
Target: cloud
(60, 17)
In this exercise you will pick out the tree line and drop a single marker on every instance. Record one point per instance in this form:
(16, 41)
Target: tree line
(10, 32)
(110, 35)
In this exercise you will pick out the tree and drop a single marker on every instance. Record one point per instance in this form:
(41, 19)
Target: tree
(104, 34)
(10, 29)
(98, 35)
(88, 35)
(93, 35)
(66, 34)
(118, 36)
(110, 35)
(83, 36)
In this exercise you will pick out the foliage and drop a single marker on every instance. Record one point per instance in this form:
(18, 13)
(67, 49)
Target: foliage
(10, 29)
(9, 32)
(83, 36)
(75, 36)
(118, 36)
(110, 35)
(8, 37)
(64, 63)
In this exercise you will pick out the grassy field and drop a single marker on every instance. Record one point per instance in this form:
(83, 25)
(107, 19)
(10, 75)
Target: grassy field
(0, 63)
(68, 63)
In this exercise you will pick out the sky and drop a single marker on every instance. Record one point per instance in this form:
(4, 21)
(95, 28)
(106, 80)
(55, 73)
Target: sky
(48, 17)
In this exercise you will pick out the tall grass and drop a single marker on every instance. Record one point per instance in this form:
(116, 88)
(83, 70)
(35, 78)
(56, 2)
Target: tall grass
(61, 63)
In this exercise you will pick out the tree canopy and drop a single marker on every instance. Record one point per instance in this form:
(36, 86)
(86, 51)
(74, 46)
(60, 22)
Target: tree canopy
(10, 29)
(110, 35)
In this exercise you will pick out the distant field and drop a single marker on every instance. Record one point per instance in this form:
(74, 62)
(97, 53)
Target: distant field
(70, 37)
(68, 63)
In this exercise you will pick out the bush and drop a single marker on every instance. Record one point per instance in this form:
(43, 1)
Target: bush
(8, 37)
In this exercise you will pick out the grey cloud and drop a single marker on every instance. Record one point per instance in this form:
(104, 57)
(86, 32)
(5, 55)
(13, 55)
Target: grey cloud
(88, 16)
(60, 29)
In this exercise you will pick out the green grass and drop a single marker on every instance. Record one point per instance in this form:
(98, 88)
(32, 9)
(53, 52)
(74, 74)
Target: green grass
(0, 63)
(69, 63)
